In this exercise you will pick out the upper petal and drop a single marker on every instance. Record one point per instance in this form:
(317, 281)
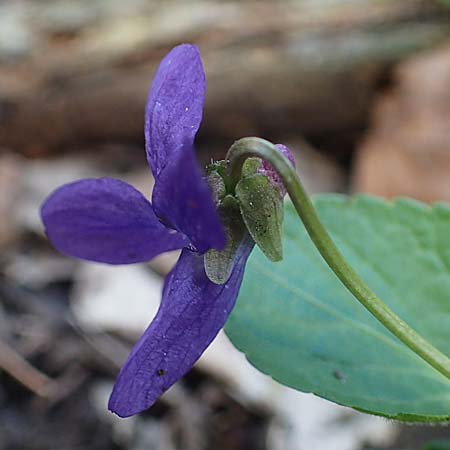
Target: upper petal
(182, 198)
(192, 312)
(174, 106)
(106, 220)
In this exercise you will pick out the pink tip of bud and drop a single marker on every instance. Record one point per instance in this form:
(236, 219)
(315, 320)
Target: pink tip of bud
(267, 170)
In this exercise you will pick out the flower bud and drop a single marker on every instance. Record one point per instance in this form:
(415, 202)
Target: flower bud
(260, 194)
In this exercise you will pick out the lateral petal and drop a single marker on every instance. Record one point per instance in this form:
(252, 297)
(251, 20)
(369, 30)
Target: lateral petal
(183, 200)
(106, 220)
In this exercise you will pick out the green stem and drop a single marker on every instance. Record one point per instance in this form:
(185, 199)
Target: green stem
(256, 147)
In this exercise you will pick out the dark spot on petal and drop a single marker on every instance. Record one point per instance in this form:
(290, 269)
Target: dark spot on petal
(160, 372)
(339, 376)
(192, 204)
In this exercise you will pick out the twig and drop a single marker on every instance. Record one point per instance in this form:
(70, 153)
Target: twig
(19, 368)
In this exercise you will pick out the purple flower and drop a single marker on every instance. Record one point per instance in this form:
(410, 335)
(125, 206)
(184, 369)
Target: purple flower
(107, 220)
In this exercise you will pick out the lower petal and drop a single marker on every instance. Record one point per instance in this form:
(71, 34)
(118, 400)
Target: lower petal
(106, 220)
(192, 312)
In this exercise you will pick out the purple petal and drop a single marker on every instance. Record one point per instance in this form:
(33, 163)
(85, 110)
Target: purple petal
(183, 199)
(174, 106)
(192, 312)
(106, 220)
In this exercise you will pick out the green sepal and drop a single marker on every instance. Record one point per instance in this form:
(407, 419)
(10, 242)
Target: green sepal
(250, 167)
(261, 207)
(217, 166)
(217, 185)
(219, 264)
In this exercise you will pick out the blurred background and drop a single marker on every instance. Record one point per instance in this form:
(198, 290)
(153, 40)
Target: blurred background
(359, 90)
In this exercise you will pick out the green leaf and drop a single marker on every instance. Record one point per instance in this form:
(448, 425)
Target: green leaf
(296, 322)
(262, 210)
(437, 445)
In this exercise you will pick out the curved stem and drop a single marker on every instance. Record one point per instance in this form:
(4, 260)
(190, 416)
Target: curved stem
(256, 147)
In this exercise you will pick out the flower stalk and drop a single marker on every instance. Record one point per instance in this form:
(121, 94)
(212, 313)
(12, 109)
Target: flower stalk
(256, 147)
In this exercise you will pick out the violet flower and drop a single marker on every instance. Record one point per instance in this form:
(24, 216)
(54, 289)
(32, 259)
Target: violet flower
(107, 220)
